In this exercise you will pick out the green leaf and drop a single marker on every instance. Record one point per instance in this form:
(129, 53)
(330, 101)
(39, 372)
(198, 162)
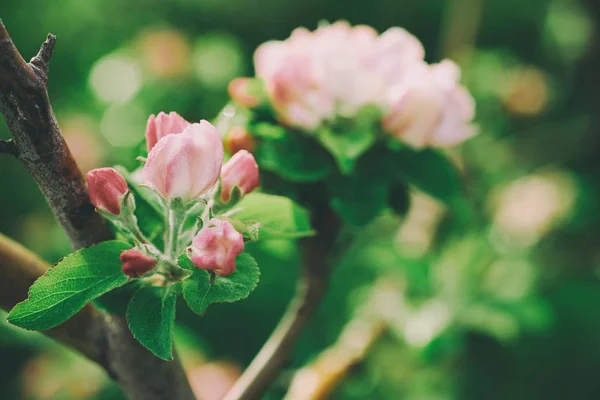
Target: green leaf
(349, 138)
(148, 211)
(64, 289)
(199, 293)
(360, 197)
(278, 217)
(430, 171)
(117, 300)
(264, 130)
(151, 318)
(294, 157)
(346, 146)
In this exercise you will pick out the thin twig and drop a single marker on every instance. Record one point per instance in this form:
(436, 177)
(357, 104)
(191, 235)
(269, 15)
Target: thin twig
(310, 291)
(320, 378)
(42, 149)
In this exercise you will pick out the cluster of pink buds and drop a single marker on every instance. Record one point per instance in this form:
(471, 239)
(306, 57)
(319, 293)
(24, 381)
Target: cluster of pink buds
(185, 169)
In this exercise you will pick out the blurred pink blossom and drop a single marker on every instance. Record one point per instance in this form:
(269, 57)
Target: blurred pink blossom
(335, 70)
(430, 107)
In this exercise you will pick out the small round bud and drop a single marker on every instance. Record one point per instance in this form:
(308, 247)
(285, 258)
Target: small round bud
(136, 263)
(241, 171)
(239, 91)
(107, 189)
(216, 246)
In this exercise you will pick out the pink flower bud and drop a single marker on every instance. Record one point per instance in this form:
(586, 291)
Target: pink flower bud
(186, 165)
(107, 189)
(430, 108)
(136, 263)
(239, 139)
(239, 91)
(162, 125)
(216, 246)
(241, 171)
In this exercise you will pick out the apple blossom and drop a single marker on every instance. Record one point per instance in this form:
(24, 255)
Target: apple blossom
(430, 108)
(185, 165)
(216, 246)
(312, 77)
(162, 125)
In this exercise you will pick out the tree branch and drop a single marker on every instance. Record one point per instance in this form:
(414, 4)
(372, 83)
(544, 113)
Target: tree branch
(310, 291)
(319, 379)
(41, 148)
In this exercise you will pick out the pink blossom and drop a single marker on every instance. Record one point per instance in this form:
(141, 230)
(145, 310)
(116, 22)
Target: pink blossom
(136, 263)
(239, 91)
(107, 189)
(312, 77)
(238, 139)
(430, 107)
(162, 125)
(241, 171)
(186, 165)
(216, 246)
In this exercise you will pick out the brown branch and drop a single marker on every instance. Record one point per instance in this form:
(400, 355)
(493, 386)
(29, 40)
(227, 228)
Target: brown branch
(42, 149)
(319, 379)
(20, 268)
(310, 292)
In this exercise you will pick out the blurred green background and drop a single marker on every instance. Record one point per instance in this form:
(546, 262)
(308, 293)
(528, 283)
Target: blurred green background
(507, 310)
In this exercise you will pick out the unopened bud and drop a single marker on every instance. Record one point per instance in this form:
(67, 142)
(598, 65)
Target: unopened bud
(136, 263)
(185, 165)
(240, 91)
(241, 171)
(216, 246)
(107, 189)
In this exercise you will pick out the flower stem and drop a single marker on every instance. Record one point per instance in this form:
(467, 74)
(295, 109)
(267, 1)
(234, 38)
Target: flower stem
(175, 218)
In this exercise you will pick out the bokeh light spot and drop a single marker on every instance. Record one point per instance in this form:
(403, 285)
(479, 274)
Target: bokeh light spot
(217, 60)
(123, 125)
(115, 79)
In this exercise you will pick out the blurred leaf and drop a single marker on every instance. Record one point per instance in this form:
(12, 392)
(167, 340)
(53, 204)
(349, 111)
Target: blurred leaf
(64, 289)
(399, 198)
(349, 138)
(360, 197)
(265, 130)
(294, 157)
(429, 171)
(151, 318)
(277, 217)
(347, 146)
(199, 293)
